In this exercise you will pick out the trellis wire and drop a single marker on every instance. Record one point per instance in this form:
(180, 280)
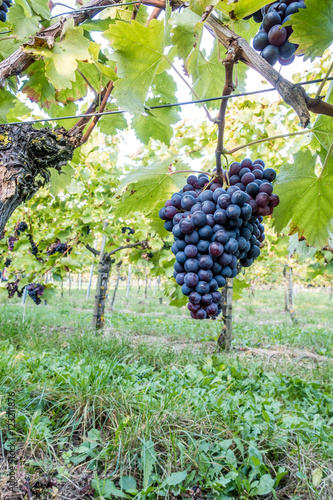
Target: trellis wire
(160, 106)
(73, 11)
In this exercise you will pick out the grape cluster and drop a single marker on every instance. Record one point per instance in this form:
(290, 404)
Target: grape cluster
(129, 230)
(272, 38)
(34, 248)
(35, 291)
(12, 288)
(7, 262)
(58, 247)
(4, 6)
(217, 230)
(11, 243)
(20, 228)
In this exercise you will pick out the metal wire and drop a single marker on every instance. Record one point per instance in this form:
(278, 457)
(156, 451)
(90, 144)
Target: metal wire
(160, 106)
(83, 9)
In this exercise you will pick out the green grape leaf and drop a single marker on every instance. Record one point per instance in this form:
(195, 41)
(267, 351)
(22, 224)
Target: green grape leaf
(147, 187)
(306, 200)
(62, 59)
(7, 102)
(41, 7)
(57, 111)
(59, 182)
(240, 9)
(37, 88)
(138, 52)
(211, 76)
(155, 123)
(199, 6)
(186, 27)
(323, 126)
(7, 47)
(313, 28)
(165, 87)
(24, 23)
(109, 124)
(238, 287)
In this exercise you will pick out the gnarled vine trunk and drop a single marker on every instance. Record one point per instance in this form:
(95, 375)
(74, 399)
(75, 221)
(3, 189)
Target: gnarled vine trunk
(26, 155)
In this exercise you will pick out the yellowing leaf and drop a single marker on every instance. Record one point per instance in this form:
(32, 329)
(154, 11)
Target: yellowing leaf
(317, 476)
(62, 59)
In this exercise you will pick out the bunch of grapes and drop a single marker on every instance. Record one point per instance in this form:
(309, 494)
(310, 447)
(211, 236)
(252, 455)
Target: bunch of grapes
(12, 288)
(4, 6)
(20, 228)
(35, 291)
(34, 248)
(7, 262)
(217, 230)
(11, 243)
(272, 38)
(58, 247)
(127, 229)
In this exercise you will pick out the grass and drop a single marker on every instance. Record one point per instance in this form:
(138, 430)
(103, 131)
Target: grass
(150, 410)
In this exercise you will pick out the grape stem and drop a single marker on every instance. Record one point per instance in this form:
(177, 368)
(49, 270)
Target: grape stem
(189, 86)
(143, 243)
(101, 109)
(229, 61)
(259, 141)
(321, 86)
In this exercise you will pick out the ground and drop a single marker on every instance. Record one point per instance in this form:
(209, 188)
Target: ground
(150, 409)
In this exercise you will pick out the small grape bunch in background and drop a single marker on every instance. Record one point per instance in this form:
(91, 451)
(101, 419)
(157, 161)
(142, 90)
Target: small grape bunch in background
(4, 6)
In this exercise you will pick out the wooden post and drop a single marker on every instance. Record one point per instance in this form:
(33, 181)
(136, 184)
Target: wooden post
(128, 280)
(286, 308)
(146, 284)
(91, 275)
(104, 267)
(290, 294)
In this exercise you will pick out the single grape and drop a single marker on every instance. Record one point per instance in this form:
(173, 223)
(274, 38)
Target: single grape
(201, 314)
(203, 246)
(202, 287)
(180, 278)
(187, 201)
(186, 226)
(208, 207)
(271, 54)
(269, 174)
(216, 249)
(195, 298)
(205, 232)
(220, 216)
(277, 35)
(270, 20)
(220, 280)
(217, 297)
(191, 266)
(206, 262)
(191, 280)
(205, 275)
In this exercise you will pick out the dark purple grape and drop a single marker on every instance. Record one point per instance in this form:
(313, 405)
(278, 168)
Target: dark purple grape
(211, 310)
(218, 193)
(206, 299)
(205, 275)
(231, 246)
(203, 246)
(293, 8)
(257, 16)
(254, 252)
(226, 272)
(186, 226)
(277, 35)
(176, 231)
(216, 249)
(269, 174)
(220, 216)
(252, 189)
(201, 314)
(210, 220)
(191, 280)
(274, 200)
(234, 179)
(287, 50)
(168, 225)
(186, 290)
(180, 278)
(234, 169)
(187, 188)
(206, 196)
(208, 207)
(181, 257)
(220, 280)
(202, 181)
(191, 266)
(205, 232)
(286, 62)
(193, 307)
(260, 41)
(206, 262)
(178, 267)
(195, 298)
(246, 262)
(247, 178)
(192, 239)
(202, 287)
(170, 211)
(187, 201)
(233, 211)
(177, 218)
(217, 297)
(196, 208)
(224, 201)
(245, 170)
(270, 20)
(271, 54)
(266, 188)
(213, 285)
(238, 198)
(190, 251)
(176, 200)
(192, 179)
(180, 244)
(215, 186)
(245, 233)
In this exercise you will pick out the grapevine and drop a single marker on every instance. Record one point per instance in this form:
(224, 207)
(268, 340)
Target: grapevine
(20, 227)
(58, 247)
(217, 230)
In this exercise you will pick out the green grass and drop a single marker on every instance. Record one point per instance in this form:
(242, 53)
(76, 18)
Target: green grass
(148, 409)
